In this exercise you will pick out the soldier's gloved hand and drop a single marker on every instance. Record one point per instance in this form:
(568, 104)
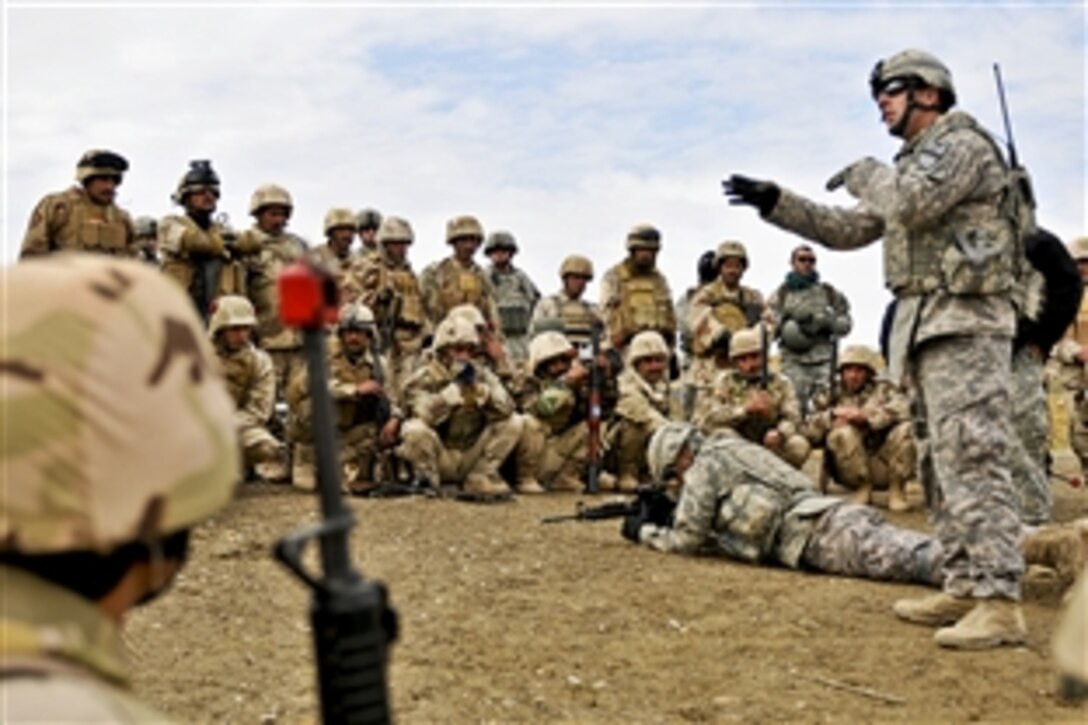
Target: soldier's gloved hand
(466, 375)
(856, 176)
(451, 395)
(632, 525)
(821, 322)
(752, 192)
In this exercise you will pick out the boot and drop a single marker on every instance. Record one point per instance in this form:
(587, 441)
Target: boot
(478, 483)
(863, 494)
(1059, 547)
(627, 483)
(606, 481)
(935, 609)
(361, 488)
(897, 499)
(303, 475)
(529, 485)
(567, 482)
(992, 623)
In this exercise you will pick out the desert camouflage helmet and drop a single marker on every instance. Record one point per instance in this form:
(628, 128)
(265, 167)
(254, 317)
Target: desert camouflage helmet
(666, 444)
(461, 227)
(578, 265)
(200, 177)
(145, 226)
(862, 355)
(99, 162)
(1078, 248)
(338, 218)
(643, 236)
(453, 331)
(126, 431)
(368, 219)
(270, 195)
(355, 316)
(468, 312)
(647, 343)
(548, 345)
(732, 248)
(395, 229)
(231, 311)
(500, 240)
(745, 342)
(913, 64)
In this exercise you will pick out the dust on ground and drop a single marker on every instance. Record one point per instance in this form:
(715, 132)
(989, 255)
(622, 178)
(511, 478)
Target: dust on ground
(505, 619)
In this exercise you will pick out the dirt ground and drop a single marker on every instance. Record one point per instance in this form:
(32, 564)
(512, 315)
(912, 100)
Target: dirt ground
(505, 619)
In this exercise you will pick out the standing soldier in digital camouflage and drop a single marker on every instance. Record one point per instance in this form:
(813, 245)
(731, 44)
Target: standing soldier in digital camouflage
(719, 309)
(197, 249)
(951, 217)
(1072, 355)
(147, 240)
(457, 279)
(809, 317)
(368, 222)
(100, 357)
(336, 254)
(566, 311)
(706, 270)
(250, 379)
(864, 425)
(84, 217)
(515, 294)
(635, 296)
(763, 411)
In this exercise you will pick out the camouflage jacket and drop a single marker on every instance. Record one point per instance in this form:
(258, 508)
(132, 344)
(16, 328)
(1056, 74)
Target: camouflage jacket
(392, 291)
(448, 283)
(573, 317)
(198, 260)
(642, 403)
(741, 501)
(69, 220)
(341, 268)
(515, 298)
(883, 404)
(950, 255)
(460, 424)
(820, 310)
(262, 270)
(731, 394)
(560, 406)
(345, 374)
(633, 300)
(251, 381)
(714, 308)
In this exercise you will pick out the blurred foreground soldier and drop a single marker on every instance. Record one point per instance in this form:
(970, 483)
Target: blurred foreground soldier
(642, 408)
(94, 521)
(1070, 645)
(196, 249)
(462, 423)
(336, 253)
(457, 279)
(566, 311)
(950, 213)
(250, 379)
(84, 217)
(864, 424)
(1072, 354)
(146, 230)
(368, 222)
(755, 403)
(809, 318)
(364, 417)
(635, 296)
(515, 294)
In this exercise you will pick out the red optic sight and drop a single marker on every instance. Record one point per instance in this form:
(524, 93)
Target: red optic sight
(307, 296)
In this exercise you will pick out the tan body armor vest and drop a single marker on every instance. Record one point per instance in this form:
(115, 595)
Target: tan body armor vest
(459, 285)
(644, 304)
(240, 372)
(578, 318)
(88, 227)
(410, 305)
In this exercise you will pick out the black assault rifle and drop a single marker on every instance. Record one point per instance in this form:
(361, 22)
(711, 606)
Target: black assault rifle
(652, 501)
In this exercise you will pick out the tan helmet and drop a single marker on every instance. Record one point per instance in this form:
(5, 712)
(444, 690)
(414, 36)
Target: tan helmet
(578, 265)
(647, 343)
(732, 248)
(862, 355)
(339, 217)
(914, 64)
(355, 316)
(395, 229)
(231, 311)
(270, 195)
(453, 331)
(643, 236)
(368, 219)
(548, 345)
(460, 227)
(468, 312)
(745, 342)
(125, 430)
(666, 444)
(99, 162)
(200, 176)
(500, 240)
(145, 226)
(1078, 248)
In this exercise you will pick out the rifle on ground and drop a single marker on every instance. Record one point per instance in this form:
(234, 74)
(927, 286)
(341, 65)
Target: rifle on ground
(593, 415)
(652, 500)
(352, 621)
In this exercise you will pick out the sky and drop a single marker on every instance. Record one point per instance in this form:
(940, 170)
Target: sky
(564, 123)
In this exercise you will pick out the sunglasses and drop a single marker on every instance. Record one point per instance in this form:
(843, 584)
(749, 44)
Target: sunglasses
(807, 260)
(892, 87)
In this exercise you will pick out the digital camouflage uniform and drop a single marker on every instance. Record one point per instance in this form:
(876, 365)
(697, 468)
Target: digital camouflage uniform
(515, 298)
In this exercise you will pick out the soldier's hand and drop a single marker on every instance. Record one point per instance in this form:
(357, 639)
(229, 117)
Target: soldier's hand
(451, 395)
(632, 525)
(763, 195)
(389, 433)
(494, 349)
(369, 387)
(773, 439)
(758, 404)
(577, 373)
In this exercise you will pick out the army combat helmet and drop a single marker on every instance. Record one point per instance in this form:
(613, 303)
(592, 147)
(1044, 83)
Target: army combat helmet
(547, 346)
(145, 227)
(907, 71)
(368, 219)
(200, 177)
(643, 236)
(454, 331)
(231, 311)
(577, 265)
(1078, 248)
(339, 217)
(862, 355)
(666, 444)
(395, 229)
(500, 240)
(464, 227)
(270, 195)
(355, 316)
(732, 248)
(126, 431)
(99, 162)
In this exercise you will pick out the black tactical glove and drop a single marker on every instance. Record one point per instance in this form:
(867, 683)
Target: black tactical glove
(632, 523)
(656, 507)
(467, 374)
(743, 190)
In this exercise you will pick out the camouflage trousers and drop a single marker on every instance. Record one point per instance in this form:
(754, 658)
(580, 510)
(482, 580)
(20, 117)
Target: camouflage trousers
(358, 458)
(517, 349)
(855, 540)
(424, 450)
(258, 445)
(287, 363)
(627, 444)
(556, 461)
(858, 460)
(962, 387)
(1029, 443)
(808, 379)
(398, 367)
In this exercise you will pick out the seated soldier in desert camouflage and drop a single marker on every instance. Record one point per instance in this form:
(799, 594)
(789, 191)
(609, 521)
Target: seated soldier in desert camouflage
(766, 413)
(250, 378)
(866, 430)
(461, 422)
(364, 419)
(644, 405)
(491, 352)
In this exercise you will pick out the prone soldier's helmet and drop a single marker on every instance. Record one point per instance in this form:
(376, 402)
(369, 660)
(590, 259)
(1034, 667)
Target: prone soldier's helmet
(110, 357)
(862, 355)
(368, 219)
(666, 444)
(745, 342)
(99, 162)
(500, 240)
(1078, 248)
(469, 313)
(733, 248)
(337, 218)
(463, 227)
(231, 311)
(200, 177)
(453, 331)
(395, 229)
(647, 343)
(269, 195)
(643, 236)
(915, 66)
(549, 345)
(355, 316)
(578, 265)
(145, 226)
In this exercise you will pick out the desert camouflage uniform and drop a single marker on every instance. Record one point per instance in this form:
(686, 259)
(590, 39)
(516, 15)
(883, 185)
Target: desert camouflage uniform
(732, 392)
(190, 256)
(448, 283)
(716, 309)
(633, 300)
(573, 317)
(69, 220)
(741, 501)
(251, 382)
(954, 323)
(343, 269)
(515, 298)
(641, 408)
(1072, 375)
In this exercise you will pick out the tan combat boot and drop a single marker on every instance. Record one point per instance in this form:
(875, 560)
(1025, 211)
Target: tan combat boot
(992, 623)
(567, 482)
(529, 485)
(627, 483)
(484, 485)
(1059, 547)
(606, 481)
(303, 475)
(897, 498)
(863, 494)
(935, 610)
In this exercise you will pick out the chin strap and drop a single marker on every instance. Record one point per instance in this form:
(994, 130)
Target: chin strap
(912, 103)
